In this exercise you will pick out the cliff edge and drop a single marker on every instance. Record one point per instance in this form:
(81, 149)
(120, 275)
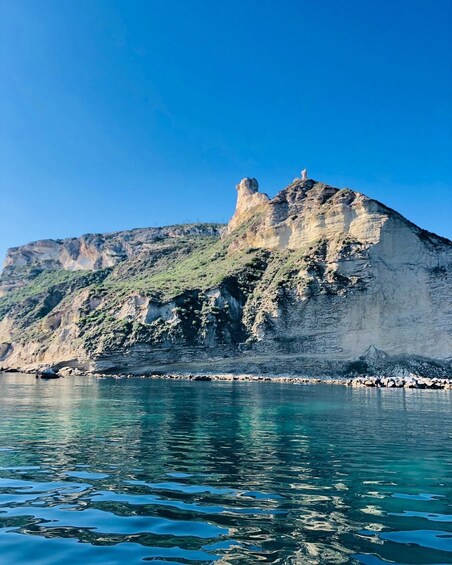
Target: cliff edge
(316, 280)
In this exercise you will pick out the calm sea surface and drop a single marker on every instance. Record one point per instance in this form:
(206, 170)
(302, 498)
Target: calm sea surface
(124, 471)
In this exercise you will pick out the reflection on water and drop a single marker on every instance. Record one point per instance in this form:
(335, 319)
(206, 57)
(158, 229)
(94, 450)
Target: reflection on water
(110, 471)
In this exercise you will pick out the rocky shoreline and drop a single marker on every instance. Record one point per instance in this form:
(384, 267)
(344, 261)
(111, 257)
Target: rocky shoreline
(410, 380)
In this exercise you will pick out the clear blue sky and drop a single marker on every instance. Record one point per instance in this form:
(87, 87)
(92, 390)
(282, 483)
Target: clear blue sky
(118, 114)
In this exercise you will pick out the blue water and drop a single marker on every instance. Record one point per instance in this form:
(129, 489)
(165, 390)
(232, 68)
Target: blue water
(116, 471)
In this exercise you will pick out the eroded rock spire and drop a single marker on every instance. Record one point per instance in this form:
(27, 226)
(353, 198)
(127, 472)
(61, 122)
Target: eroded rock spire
(248, 198)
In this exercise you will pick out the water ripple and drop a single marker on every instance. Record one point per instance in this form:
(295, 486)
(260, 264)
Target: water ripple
(179, 472)
(110, 523)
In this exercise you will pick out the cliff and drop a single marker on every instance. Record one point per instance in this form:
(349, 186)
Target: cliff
(316, 280)
(90, 252)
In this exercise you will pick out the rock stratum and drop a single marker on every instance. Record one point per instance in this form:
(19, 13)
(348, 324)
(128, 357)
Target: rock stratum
(315, 281)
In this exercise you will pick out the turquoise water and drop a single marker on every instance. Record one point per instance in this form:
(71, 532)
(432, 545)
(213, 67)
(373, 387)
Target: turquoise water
(113, 471)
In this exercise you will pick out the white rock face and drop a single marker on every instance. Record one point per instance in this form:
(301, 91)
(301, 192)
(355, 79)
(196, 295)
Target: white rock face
(249, 200)
(398, 292)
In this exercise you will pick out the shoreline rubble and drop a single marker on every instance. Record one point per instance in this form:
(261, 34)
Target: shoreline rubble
(408, 381)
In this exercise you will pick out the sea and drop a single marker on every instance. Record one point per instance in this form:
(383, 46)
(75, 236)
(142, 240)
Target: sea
(138, 470)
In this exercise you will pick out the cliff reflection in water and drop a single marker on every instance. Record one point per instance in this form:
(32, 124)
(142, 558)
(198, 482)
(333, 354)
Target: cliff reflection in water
(241, 472)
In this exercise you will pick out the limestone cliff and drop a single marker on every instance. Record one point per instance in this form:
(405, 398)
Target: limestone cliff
(367, 276)
(89, 252)
(314, 280)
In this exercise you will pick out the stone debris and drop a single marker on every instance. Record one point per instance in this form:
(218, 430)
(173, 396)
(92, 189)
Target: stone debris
(410, 381)
(405, 380)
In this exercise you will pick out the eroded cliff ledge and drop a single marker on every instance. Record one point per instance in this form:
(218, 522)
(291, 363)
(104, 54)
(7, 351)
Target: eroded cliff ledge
(316, 280)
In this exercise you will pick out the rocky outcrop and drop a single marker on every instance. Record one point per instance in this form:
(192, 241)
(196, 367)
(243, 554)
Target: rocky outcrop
(307, 212)
(368, 278)
(316, 280)
(249, 202)
(89, 252)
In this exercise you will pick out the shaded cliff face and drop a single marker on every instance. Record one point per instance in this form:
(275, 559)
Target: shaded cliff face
(315, 280)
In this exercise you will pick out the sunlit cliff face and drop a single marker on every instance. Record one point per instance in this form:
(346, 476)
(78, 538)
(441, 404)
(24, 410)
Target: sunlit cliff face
(249, 200)
(309, 280)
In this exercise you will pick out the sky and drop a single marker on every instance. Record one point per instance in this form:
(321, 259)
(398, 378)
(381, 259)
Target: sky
(119, 114)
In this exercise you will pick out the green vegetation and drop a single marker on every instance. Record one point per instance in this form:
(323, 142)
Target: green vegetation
(39, 285)
(204, 267)
(116, 308)
(180, 275)
(37, 298)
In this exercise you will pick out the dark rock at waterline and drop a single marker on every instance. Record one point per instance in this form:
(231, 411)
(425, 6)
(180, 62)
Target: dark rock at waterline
(48, 373)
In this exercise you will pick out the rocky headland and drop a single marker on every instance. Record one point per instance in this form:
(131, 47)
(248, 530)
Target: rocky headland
(315, 282)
